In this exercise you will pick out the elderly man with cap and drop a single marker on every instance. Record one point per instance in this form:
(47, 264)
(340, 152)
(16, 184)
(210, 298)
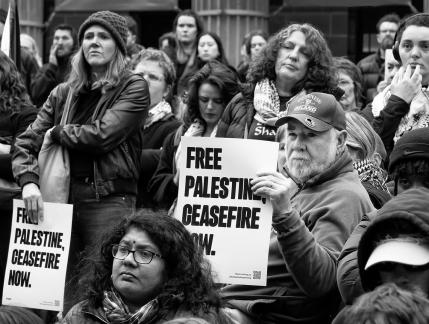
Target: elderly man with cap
(317, 200)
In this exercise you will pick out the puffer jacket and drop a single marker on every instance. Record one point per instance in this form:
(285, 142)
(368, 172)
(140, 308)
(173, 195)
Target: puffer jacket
(237, 118)
(372, 68)
(411, 206)
(113, 137)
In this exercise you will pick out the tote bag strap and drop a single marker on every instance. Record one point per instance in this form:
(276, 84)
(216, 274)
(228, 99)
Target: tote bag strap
(66, 111)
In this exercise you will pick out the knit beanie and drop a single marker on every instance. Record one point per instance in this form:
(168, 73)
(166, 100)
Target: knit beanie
(412, 145)
(114, 23)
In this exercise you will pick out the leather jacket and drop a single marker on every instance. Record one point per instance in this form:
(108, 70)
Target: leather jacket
(113, 137)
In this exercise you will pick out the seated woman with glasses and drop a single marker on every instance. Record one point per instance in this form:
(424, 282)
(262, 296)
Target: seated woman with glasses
(148, 270)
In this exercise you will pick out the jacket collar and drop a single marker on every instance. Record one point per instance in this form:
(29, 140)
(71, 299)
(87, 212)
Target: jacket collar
(98, 313)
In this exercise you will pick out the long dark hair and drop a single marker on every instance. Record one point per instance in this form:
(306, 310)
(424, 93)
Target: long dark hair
(320, 75)
(188, 285)
(13, 93)
(222, 57)
(216, 74)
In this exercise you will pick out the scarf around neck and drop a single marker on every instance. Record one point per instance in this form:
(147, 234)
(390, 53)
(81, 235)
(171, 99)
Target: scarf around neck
(266, 101)
(117, 311)
(417, 117)
(158, 112)
(370, 172)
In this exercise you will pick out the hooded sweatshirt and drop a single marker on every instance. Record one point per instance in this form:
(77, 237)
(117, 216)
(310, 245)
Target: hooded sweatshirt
(411, 206)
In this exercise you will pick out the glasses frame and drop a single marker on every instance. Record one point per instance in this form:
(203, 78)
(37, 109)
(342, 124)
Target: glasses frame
(116, 246)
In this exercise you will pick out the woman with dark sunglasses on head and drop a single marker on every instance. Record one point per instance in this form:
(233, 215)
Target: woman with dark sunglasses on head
(148, 270)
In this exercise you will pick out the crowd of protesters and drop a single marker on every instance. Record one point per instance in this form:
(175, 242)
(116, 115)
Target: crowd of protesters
(350, 196)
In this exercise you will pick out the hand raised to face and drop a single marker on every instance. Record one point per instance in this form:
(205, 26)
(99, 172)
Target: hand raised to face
(406, 83)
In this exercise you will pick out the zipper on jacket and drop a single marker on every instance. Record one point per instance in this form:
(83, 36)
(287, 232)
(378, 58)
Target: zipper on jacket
(97, 195)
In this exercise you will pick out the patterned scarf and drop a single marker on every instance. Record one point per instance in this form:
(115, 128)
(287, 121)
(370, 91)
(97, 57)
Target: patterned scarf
(417, 117)
(370, 172)
(118, 313)
(157, 113)
(266, 102)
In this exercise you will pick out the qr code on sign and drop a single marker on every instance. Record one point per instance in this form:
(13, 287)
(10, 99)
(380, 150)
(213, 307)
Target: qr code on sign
(256, 274)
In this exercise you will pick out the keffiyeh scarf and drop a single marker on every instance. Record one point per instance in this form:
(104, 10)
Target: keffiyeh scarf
(266, 102)
(118, 313)
(370, 172)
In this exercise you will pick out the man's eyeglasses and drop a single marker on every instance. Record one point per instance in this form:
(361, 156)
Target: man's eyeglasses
(120, 252)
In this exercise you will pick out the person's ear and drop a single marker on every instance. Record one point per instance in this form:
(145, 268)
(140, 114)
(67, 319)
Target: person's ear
(166, 92)
(377, 158)
(341, 138)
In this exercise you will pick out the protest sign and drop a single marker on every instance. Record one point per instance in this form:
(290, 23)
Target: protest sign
(216, 204)
(37, 259)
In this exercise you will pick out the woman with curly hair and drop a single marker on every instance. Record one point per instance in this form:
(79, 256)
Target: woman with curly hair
(210, 90)
(295, 61)
(148, 270)
(16, 113)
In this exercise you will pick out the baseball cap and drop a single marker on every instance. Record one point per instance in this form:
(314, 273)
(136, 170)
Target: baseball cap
(399, 251)
(317, 111)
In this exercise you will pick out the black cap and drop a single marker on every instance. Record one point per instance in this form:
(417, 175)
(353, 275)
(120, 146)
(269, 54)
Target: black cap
(411, 145)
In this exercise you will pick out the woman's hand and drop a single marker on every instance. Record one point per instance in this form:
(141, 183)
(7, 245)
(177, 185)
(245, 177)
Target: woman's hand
(33, 202)
(277, 188)
(176, 177)
(406, 84)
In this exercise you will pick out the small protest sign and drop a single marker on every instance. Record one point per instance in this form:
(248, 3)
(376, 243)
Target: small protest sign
(216, 204)
(37, 259)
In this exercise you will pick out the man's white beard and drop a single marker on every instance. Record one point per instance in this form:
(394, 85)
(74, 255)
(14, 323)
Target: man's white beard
(303, 170)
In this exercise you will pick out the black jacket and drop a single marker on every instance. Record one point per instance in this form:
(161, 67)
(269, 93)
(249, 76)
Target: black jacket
(113, 137)
(411, 206)
(372, 68)
(48, 77)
